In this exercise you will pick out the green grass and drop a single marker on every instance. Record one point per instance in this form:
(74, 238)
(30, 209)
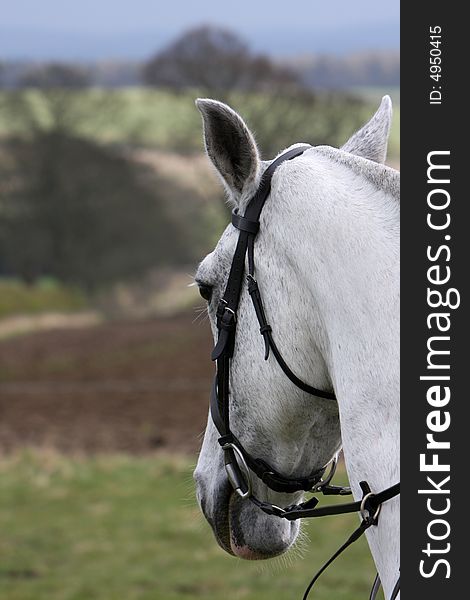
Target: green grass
(124, 528)
(130, 115)
(374, 94)
(157, 118)
(45, 296)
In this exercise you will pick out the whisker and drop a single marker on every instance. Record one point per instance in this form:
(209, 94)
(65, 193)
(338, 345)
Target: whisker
(201, 312)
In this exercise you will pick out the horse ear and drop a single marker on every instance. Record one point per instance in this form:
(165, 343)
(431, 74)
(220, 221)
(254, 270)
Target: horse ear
(371, 141)
(230, 145)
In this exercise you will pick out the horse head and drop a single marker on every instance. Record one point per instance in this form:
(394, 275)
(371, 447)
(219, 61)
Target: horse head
(293, 431)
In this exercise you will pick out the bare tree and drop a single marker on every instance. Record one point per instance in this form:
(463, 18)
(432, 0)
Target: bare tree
(215, 60)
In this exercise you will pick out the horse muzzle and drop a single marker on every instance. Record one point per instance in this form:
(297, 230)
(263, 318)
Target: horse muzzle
(239, 527)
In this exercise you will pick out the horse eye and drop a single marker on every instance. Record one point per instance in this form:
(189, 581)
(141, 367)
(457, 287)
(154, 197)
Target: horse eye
(205, 291)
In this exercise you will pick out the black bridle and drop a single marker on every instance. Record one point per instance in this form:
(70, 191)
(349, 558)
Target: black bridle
(239, 463)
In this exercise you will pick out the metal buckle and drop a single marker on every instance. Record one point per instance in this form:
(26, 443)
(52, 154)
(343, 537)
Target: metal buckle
(233, 475)
(363, 510)
(225, 308)
(278, 511)
(334, 463)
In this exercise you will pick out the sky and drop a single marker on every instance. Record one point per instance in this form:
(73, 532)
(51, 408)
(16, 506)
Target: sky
(116, 28)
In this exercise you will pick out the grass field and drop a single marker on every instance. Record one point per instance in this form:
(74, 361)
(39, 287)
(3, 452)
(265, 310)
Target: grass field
(46, 295)
(122, 528)
(374, 94)
(159, 119)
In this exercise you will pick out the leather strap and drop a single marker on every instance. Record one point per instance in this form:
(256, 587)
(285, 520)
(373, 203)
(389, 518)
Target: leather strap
(244, 224)
(370, 504)
(377, 585)
(272, 478)
(308, 509)
(375, 588)
(395, 590)
(266, 332)
(355, 535)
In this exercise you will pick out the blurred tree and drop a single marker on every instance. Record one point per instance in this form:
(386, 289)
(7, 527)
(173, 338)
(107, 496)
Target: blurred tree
(55, 76)
(273, 98)
(50, 98)
(280, 119)
(54, 103)
(70, 208)
(215, 60)
(82, 214)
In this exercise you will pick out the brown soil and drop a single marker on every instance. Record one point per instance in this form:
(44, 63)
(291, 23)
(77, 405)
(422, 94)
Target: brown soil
(132, 386)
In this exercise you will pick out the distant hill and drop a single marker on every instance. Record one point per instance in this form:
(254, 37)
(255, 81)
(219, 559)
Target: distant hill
(378, 69)
(105, 73)
(371, 69)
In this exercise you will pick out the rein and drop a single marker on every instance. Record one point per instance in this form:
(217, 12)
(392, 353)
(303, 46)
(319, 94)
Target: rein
(239, 463)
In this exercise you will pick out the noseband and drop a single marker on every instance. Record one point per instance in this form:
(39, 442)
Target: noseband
(239, 463)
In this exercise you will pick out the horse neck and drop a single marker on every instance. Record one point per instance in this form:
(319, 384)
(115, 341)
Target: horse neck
(346, 247)
(343, 238)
